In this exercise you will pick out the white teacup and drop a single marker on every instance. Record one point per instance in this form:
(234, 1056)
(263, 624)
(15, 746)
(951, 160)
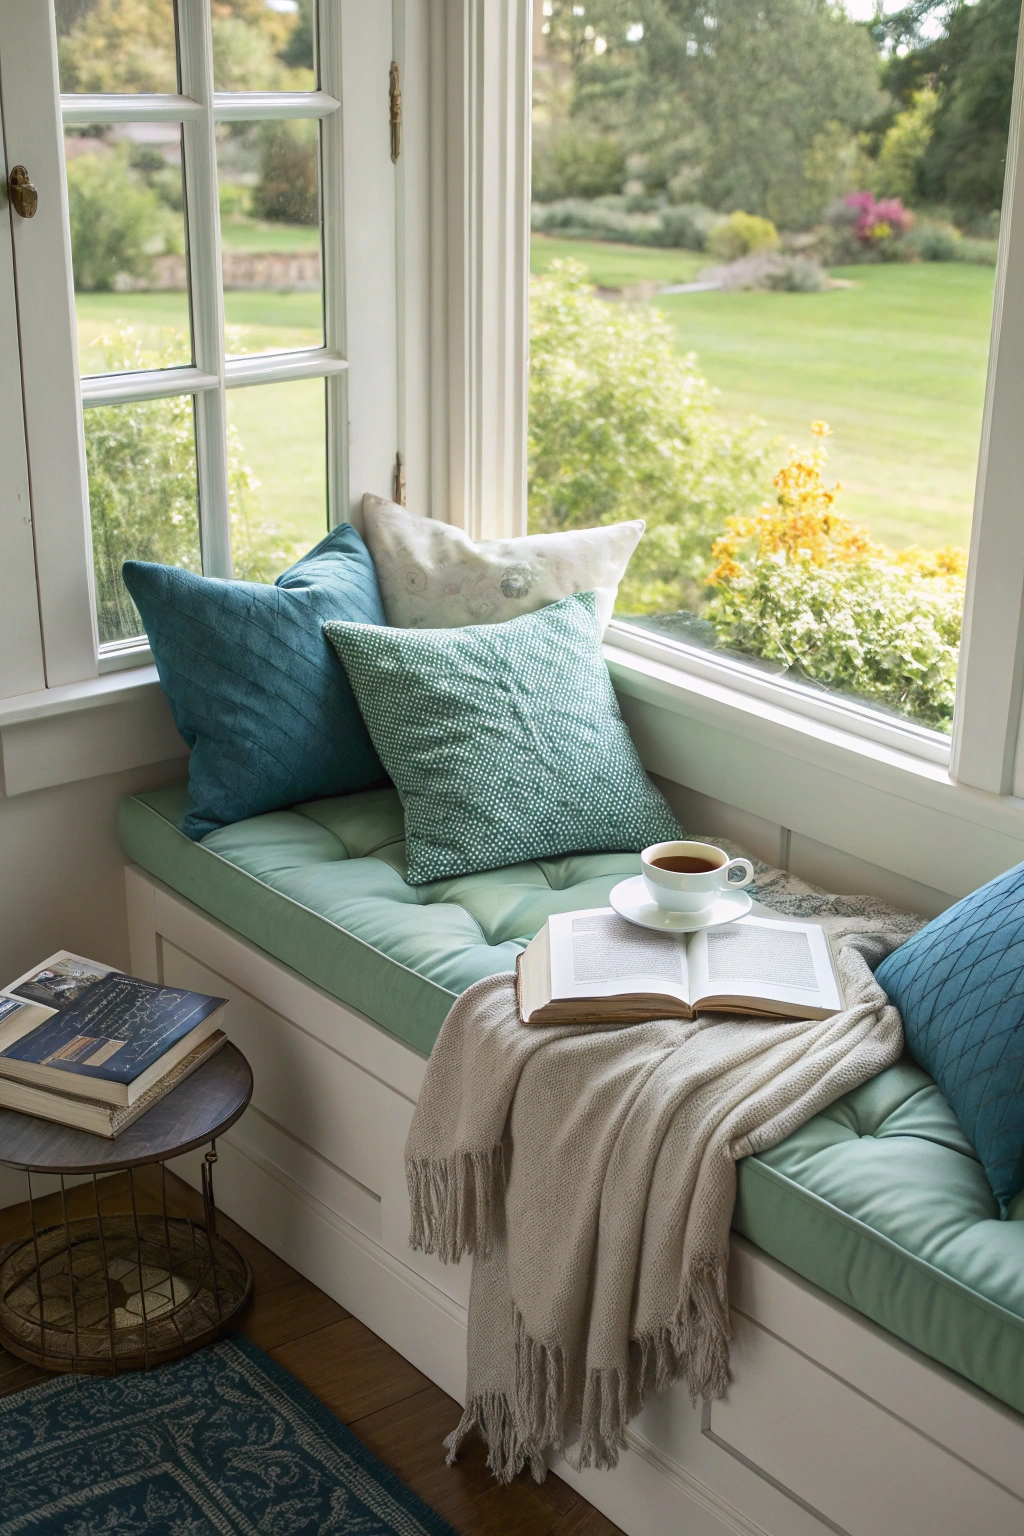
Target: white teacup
(700, 874)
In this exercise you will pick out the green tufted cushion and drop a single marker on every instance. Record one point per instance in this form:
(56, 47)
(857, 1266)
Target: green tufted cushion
(505, 741)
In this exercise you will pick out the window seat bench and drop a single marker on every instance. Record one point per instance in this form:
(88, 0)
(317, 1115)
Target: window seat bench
(878, 1203)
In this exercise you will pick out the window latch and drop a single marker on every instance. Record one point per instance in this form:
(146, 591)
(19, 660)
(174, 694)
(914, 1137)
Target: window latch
(24, 196)
(395, 98)
(398, 481)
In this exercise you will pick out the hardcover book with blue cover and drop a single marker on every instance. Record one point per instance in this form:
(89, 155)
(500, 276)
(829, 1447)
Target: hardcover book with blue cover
(115, 1034)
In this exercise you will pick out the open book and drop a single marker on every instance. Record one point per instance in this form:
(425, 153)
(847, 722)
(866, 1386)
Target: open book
(593, 967)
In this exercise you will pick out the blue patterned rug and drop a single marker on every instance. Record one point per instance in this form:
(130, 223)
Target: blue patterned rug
(224, 1443)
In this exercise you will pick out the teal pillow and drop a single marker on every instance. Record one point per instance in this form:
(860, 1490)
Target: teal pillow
(504, 741)
(255, 689)
(959, 986)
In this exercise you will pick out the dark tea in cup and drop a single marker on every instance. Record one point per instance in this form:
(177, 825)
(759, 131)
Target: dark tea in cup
(683, 864)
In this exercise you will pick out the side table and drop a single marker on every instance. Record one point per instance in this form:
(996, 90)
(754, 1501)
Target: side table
(109, 1293)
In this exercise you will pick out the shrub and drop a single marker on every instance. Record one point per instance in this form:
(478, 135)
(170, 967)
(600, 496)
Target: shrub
(771, 271)
(931, 240)
(117, 223)
(575, 164)
(742, 234)
(686, 226)
(143, 493)
(799, 584)
(876, 223)
(621, 426)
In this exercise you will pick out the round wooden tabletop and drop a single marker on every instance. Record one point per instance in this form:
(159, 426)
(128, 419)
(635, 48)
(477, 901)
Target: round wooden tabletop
(200, 1108)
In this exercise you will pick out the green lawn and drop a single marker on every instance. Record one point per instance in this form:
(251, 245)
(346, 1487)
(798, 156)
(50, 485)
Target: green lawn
(617, 266)
(258, 322)
(282, 430)
(895, 364)
(242, 234)
(280, 426)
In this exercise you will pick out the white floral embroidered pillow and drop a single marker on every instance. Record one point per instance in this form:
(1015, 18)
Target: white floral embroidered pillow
(434, 576)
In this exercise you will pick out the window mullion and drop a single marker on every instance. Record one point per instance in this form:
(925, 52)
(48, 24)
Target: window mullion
(203, 222)
(332, 258)
(991, 670)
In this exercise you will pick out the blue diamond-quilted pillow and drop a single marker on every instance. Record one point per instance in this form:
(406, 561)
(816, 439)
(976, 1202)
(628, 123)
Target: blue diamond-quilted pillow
(959, 984)
(255, 689)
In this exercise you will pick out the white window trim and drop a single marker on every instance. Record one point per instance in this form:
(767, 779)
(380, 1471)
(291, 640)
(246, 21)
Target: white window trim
(28, 58)
(986, 751)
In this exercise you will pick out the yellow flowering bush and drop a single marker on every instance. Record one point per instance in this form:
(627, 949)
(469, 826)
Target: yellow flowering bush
(798, 583)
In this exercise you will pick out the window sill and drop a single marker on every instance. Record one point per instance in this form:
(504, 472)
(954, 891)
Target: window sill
(868, 798)
(82, 730)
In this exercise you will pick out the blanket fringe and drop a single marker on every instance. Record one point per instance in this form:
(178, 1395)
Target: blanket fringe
(457, 1202)
(692, 1346)
(492, 1416)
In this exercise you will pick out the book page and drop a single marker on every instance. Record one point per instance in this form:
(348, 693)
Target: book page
(60, 981)
(18, 1019)
(759, 958)
(596, 953)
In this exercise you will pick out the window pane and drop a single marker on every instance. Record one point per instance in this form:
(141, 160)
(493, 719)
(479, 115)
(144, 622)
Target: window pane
(270, 234)
(774, 340)
(116, 47)
(126, 203)
(263, 45)
(142, 499)
(277, 469)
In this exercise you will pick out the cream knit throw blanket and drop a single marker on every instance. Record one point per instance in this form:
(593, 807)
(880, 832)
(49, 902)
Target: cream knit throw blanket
(592, 1173)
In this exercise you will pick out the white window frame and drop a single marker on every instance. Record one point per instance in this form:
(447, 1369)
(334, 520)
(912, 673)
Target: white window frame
(986, 748)
(49, 339)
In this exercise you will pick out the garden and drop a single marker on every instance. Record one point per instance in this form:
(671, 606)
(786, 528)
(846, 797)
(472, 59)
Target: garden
(781, 223)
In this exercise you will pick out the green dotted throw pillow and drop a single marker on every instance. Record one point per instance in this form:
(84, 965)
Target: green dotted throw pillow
(504, 741)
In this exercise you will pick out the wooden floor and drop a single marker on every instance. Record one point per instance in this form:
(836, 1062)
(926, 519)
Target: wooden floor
(395, 1411)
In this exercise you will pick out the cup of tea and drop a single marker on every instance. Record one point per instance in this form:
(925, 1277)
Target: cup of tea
(687, 877)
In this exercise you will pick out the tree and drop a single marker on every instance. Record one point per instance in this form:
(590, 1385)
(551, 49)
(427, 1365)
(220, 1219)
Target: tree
(113, 46)
(965, 161)
(733, 102)
(118, 223)
(904, 147)
(970, 67)
(621, 426)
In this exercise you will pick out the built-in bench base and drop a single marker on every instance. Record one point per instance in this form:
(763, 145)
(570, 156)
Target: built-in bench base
(831, 1424)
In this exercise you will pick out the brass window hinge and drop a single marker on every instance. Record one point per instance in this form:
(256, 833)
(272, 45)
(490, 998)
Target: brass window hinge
(398, 481)
(395, 98)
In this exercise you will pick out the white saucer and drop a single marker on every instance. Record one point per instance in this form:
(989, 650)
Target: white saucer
(631, 901)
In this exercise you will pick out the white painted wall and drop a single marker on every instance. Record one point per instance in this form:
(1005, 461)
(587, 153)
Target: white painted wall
(62, 881)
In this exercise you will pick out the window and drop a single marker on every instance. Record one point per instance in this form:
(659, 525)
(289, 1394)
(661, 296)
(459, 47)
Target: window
(764, 253)
(202, 155)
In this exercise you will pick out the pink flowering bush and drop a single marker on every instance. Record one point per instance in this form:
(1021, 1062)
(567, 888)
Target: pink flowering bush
(874, 221)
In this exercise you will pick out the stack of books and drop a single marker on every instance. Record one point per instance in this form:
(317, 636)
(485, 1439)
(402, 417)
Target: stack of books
(90, 1047)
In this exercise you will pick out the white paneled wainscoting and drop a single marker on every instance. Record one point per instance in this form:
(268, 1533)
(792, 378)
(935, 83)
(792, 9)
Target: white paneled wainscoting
(830, 1424)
